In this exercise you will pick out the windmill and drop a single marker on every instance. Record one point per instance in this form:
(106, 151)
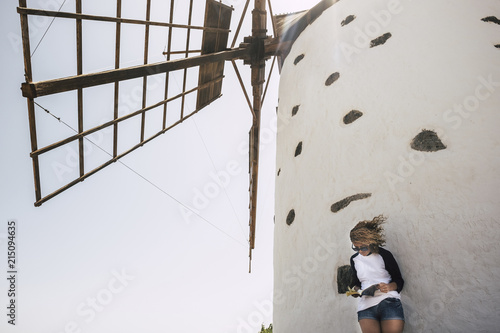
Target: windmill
(208, 58)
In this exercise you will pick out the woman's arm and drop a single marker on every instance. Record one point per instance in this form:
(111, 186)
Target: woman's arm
(354, 275)
(386, 287)
(392, 267)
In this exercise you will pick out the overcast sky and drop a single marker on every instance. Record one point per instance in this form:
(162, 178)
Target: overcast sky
(120, 252)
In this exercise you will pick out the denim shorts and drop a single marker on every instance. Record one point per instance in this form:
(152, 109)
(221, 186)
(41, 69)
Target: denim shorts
(390, 308)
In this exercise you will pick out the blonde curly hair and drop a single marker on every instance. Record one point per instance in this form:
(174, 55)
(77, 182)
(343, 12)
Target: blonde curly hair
(370, 233)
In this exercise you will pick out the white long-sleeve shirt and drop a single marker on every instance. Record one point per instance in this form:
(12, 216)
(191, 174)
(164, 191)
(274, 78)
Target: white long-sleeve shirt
(373, 269)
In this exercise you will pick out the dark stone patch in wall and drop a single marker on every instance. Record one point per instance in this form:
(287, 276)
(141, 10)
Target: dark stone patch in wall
(380, 40)
(497, 46)
(339, 205)
(295, 110)
(298, 59)
(348, 20)
(427, 141)
(332, 78)
(279, 171)
(344, 278)
(298, 150)
(492, 19)
(352, 116)
(290, 217)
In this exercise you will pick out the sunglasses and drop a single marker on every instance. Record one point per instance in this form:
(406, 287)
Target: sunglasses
(363, 248)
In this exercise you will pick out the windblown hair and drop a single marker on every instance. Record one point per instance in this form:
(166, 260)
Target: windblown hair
(370, 233)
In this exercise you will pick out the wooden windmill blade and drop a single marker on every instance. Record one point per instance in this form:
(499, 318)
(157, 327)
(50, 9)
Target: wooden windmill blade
(215, 30)
(212, 54)
(209, 58)
(286, 29)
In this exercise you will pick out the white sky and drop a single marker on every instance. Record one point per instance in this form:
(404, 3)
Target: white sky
(178, 272)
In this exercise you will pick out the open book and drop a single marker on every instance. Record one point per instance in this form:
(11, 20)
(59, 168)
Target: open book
(370, 291)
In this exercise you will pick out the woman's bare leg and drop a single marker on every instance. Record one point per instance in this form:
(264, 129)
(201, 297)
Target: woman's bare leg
(392, 326)
(369, 326)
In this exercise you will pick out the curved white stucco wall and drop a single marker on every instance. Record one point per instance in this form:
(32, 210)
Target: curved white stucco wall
(438, 71)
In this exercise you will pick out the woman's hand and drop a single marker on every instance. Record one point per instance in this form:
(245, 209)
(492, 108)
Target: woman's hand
(386, 287)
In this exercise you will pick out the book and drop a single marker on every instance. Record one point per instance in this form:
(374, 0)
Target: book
(370, 291)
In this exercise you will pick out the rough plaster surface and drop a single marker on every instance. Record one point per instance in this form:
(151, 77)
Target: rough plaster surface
(438, 71)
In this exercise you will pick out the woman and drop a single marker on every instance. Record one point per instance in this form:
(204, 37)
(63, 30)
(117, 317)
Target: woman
(374, 266)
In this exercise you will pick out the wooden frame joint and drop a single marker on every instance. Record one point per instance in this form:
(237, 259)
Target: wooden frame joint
(28, 90)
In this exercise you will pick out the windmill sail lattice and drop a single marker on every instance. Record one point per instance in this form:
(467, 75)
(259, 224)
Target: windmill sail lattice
(215, 35)
(207, 59)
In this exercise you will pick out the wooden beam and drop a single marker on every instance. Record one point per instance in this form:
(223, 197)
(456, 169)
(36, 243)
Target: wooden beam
(41, 12)
(31, 106)
(216, 15)
(275, 46)
(188, 39)
(217, 41)
(182, 52)
(258, 73)
(40, 201)
(42, 88)
(117, 84)
(167, 75)
(145, 78)
(79, 66)
(115, 121)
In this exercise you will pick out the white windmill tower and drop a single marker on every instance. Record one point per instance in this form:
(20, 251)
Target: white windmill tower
(394, 110)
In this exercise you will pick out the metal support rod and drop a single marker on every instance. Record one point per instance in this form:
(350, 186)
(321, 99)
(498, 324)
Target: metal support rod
(240, 23)
(30, 102)
(243, 87)
(273, 22)
(268, 80)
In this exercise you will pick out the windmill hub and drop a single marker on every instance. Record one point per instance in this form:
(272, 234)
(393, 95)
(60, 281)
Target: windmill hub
(257, 49)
